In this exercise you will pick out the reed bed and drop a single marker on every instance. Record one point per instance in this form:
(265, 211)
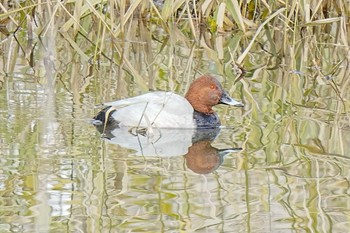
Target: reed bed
(87, 25)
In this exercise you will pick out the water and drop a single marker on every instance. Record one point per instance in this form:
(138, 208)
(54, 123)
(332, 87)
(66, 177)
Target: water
(58, 174)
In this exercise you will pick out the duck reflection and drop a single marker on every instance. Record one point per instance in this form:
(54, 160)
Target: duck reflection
(203, 158)
(194, 144)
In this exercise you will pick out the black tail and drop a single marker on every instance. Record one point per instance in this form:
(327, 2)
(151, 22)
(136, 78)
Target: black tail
(101, 116)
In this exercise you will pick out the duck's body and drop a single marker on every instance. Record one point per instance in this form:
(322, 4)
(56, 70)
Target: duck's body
(169, 110)
(157, 109)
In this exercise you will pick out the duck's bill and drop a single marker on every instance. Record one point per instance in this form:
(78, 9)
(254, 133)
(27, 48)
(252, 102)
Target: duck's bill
(226, 99)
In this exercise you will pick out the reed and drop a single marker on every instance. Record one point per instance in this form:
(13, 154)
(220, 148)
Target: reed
(101, 20)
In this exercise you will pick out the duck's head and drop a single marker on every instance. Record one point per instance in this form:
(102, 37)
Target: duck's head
(206, 92)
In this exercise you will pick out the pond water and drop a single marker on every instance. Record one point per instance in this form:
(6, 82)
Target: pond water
(280, 164)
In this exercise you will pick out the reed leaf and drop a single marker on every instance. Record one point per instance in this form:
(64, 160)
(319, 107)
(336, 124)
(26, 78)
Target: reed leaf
(76, 47)
(233, 8)
(323, 21)
(244, 54)
(221, 16)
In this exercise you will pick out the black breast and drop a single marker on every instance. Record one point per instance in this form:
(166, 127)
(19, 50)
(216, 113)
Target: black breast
(206, 120)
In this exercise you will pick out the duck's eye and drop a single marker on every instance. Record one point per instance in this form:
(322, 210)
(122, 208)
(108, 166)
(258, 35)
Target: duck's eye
(212, 86)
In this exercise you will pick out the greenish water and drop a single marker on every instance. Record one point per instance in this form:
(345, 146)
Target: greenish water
(57, 174)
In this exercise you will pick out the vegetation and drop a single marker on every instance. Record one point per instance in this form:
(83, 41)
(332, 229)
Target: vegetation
(87, 25)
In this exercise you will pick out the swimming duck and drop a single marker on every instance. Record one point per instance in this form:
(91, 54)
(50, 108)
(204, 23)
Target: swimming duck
(161, 109)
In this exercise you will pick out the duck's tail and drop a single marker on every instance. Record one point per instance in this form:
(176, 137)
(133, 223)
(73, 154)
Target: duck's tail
(104, 117)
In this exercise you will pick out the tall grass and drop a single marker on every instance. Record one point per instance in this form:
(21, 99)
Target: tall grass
(95, 21)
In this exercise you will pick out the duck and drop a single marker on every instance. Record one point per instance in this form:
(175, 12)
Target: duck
(161, 109)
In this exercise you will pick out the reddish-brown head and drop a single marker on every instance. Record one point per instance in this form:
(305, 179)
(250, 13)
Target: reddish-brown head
(206, 92)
